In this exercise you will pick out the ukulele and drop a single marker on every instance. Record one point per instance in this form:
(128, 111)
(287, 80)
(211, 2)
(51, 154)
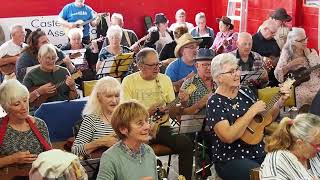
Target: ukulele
(81, 23)
(254, 132)
(302, 74)
(159, 117)
(44, 97)
(9, 68)
(220, 48)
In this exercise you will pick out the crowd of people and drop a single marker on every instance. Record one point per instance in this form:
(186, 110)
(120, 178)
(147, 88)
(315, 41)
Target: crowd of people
(124, 116)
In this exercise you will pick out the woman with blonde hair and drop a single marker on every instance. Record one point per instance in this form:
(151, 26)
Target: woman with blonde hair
(95, 130)
(130, 158)
(293, 149)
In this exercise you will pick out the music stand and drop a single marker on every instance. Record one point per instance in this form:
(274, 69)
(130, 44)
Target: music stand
(207, 41)
(248, 76)
(191, 123)
(116, 66)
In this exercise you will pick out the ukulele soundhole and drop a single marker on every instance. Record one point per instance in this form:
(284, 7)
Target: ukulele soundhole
(258, 118)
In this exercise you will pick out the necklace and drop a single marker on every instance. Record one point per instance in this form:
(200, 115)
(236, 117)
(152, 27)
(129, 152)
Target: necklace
(106, 117)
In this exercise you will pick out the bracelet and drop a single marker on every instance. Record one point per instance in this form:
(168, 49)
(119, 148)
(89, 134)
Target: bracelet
(37, 93)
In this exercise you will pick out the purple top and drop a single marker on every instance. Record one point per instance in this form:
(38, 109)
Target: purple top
(220, 37)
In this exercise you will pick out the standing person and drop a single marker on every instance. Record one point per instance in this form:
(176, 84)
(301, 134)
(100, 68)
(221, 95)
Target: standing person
(95, 131)
(78, 10)
(159, 35)
(10, 51)
(295, 55)
(155, 91)
(229, 112)
(281, 17)
(181, 16)
(293, 149)
(130, 158)
(225, 40)
(24, 136)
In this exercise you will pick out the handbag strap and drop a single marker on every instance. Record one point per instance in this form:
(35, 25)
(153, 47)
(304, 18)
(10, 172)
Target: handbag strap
(127, 37)
(34, 129)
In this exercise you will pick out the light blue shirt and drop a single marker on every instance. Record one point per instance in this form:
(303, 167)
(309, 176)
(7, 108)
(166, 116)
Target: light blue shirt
(178, 70)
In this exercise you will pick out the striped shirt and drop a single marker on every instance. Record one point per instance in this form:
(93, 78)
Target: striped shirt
(282, 164)
(92, 128)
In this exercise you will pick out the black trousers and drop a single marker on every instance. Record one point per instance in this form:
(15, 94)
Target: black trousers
(181, 145)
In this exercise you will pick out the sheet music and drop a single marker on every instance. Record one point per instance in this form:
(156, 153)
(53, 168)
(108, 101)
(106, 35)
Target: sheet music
(116, 65)
(191, 123)
(82, 51)
(250, 75)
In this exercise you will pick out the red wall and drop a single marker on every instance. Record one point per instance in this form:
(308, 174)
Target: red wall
(132, 10)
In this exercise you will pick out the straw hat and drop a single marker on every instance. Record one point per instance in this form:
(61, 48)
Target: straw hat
(184, 40)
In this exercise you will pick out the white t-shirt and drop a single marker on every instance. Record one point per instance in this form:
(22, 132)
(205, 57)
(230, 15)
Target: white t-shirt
(175, 25)
(11, 49)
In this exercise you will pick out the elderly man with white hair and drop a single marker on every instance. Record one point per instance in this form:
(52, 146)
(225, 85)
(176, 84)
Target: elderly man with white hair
(265, 44)
(250, 60)
(10, 51)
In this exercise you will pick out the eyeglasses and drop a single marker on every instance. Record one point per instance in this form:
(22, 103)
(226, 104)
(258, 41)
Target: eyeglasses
(302, 40)
(232, 71)
(205, 65)
(154, 66)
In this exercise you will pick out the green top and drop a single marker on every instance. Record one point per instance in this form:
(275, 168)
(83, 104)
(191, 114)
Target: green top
(37, 77)
(120, 163)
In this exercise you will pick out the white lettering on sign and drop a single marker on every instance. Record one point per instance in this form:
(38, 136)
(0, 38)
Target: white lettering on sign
(49, 24)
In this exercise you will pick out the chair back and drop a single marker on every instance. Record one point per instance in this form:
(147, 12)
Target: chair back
(267, 93)
(60, 117)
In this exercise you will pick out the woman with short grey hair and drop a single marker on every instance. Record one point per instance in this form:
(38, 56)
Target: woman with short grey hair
(293, 149)
(296, 55)
(229, 113)
(114, 35)
(202, 30)
(24, 136)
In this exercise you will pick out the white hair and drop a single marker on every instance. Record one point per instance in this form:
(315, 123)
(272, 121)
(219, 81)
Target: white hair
(114, 30)
(180, 12)
(74, 31)
(199, 16)
(11, 91)
(292, 36)
(14, 27)
(218, 63)
(244, 35)
(107, 85)
(117, 16)
(47, 49)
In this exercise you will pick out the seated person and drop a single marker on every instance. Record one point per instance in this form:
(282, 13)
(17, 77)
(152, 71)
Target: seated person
(225, 40)
(293, 149)
(114, 35)
(90, 56)
(181, 16)
(296, 55)
(28, 57)
(263, 42)
(130, 158)
(159, 35)
(229, 112)
(281, 17)
(183, 67)
(202, 30)
(251, 61)
(49, 82)
(95, 130)
(57, 164)
(24, 136)
(155, 91)
(167, 53)
(197, 100)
